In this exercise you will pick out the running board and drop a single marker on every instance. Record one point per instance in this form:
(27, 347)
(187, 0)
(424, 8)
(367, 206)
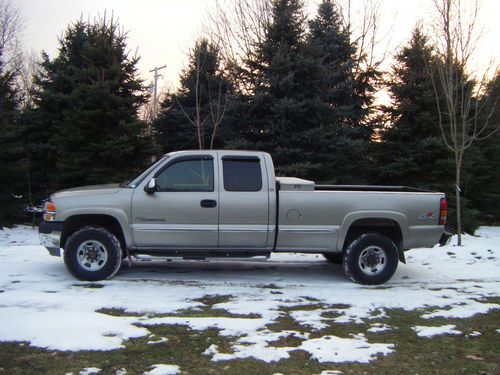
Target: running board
(151, 258)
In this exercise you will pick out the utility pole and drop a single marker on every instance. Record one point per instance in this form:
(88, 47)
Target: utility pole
(155, 98)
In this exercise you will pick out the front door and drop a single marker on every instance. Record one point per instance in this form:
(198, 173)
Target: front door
(183, 212)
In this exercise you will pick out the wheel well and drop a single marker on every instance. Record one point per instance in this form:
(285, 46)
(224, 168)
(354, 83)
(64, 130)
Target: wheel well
(73, 223)
(385, 227)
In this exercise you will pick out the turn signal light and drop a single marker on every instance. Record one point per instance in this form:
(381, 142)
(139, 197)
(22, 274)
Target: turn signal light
(49, 211)
(50, 207)
(443, 211)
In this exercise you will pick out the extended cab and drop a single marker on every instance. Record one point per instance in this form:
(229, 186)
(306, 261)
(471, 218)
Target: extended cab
(199, 204)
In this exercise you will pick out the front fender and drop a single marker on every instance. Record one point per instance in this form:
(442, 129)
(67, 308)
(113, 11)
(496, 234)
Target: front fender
(116, 213)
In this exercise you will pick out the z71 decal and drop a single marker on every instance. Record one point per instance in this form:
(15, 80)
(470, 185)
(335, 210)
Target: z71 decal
(428, 216)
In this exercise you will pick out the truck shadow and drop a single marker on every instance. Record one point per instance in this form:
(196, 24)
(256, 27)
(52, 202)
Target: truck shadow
(261, 272)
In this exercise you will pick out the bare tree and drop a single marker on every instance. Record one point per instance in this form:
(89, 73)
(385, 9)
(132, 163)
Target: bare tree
(458, 87)
(11, 28)
(146, 112)
(218, 108)
(363, 22)
(27, 70)
(215, 100)
(196, 118)
(237, 27)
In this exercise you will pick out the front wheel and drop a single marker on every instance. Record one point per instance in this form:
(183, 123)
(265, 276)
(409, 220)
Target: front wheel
(92, 253)
(371, 259)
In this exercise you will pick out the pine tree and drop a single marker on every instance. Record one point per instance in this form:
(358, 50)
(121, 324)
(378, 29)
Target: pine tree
(283, 105)
(195, 116)
(87, 109)
(344, 134)
(11, 163)
(38, 134)
(412, 152)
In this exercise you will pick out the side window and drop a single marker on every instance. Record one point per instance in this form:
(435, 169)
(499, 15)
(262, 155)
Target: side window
(242, 174)
(187, 175)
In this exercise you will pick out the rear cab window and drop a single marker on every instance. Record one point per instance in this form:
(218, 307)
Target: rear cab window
(241, 173)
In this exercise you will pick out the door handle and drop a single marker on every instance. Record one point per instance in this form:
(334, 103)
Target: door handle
(208, 203)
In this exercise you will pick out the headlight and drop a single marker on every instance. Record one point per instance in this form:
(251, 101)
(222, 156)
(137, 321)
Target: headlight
(49, 211)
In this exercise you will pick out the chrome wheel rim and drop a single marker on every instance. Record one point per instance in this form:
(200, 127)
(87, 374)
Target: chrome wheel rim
(372, 260)
(92, 255)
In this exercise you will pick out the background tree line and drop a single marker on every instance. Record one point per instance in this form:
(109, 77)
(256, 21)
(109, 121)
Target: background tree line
(265, 76)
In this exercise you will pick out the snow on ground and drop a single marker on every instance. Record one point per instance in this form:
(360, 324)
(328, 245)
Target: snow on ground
(379, 327)
(154, 341)
(89, 371)
(336, 349)
(425, 331)
(42, 304)
(163, 370)
(474, 334)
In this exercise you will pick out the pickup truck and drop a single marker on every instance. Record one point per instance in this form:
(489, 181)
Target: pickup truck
(219, 203)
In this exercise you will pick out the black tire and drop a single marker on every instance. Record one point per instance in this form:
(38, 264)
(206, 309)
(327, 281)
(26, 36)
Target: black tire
(371, 259)
(106, 254)
(335, 258)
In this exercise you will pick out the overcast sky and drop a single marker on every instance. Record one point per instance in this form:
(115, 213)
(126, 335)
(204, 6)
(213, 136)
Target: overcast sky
(162, 31)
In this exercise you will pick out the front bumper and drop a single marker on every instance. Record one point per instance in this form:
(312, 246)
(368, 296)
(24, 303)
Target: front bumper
(50, 236)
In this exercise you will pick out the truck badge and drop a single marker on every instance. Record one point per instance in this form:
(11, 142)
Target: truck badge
(428, 216)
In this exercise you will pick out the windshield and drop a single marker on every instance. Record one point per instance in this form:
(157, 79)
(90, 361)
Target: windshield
(136, 181)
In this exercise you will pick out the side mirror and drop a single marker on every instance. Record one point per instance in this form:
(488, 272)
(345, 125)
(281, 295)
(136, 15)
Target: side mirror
(151, 187)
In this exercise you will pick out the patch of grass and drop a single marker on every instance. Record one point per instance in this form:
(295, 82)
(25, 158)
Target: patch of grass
(446, 354)
(304, 307)
(210, 300)
(268, 286)
(339, 306)
(310, 299)
(287, 341)
(208, 312)
(118, 312)
(286, 323)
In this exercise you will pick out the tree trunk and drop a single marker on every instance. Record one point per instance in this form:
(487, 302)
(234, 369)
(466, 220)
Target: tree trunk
(458, 165)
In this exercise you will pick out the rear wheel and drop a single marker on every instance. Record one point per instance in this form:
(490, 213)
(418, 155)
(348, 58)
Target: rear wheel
(371, 259)
(92, 253)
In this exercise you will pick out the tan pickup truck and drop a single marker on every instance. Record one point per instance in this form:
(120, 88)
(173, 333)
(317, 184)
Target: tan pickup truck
(202, 204)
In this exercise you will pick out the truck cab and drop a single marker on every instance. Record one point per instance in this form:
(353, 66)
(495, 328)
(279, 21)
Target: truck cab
(205, 200)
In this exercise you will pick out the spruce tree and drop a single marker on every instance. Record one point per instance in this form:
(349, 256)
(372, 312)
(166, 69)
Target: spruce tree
(189, 116)
(38, 133)
(87, 109)
(11, 153)
(412, 152)
(284, 104)
(343, 136)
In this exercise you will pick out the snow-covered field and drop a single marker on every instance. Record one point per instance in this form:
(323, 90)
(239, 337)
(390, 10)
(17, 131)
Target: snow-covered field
(40, 303)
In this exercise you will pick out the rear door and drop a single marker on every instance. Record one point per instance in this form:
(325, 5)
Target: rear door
(244, 202)
(183, 213)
